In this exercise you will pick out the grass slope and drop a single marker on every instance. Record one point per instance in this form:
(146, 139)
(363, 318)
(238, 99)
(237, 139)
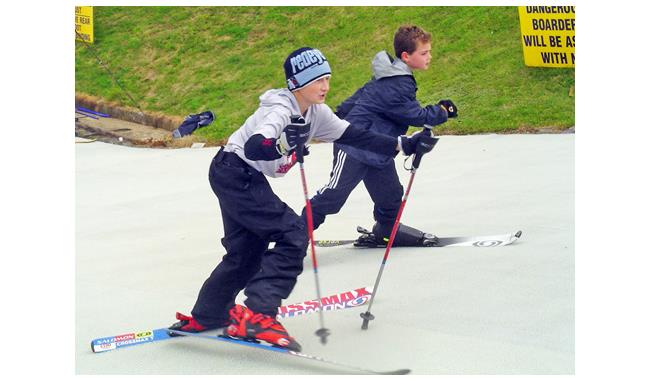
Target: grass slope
(181, 60)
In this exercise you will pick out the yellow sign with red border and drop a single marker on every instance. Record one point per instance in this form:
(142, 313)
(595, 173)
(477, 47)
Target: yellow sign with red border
(548, 35)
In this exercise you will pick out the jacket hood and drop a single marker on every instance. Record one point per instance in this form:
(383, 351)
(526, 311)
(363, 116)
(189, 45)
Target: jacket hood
(280, 97)
(383, 65)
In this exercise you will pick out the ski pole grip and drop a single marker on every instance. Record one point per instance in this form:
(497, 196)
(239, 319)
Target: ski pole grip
(300, 157)
(418, 155)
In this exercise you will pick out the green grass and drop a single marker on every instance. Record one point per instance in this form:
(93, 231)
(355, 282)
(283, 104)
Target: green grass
(181, 60)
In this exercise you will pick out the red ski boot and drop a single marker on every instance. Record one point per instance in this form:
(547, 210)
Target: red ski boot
(189, 324)
(248, 325)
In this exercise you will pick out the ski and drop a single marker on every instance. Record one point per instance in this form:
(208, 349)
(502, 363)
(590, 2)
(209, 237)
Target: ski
(343, 300)
(263, 346)
(469, 241)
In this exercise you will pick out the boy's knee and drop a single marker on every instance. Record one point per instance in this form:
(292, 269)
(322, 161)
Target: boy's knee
(300, 236)
(297, 237)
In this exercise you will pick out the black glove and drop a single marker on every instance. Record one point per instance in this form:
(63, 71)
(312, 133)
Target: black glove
(294, 134)
(417, 143)
(450, 107)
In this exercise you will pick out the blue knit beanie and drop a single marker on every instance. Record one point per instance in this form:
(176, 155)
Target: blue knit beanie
(304, 66)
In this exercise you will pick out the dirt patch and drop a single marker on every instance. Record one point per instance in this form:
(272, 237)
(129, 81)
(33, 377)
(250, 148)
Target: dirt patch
(128, 126)
(148, 118)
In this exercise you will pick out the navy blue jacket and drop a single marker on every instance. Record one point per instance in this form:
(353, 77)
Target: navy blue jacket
(386, 104)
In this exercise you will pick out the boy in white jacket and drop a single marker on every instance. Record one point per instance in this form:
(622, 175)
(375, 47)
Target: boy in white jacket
(253, 216)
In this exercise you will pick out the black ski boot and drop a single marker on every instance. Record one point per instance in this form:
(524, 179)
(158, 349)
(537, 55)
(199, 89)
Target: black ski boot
(406, 237)
(367, 239)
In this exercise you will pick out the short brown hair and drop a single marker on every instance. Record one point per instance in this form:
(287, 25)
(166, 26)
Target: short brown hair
(406, 39)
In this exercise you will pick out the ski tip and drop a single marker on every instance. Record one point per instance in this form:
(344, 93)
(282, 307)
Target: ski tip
(404, 371)
(518, 234)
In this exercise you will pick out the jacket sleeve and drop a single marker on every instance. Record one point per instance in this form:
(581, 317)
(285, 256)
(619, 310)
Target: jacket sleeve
(401, 106)
(260, 148)
(367, 139)
(344, 108)
(261, 145)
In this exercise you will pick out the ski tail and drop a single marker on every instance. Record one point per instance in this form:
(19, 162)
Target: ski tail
(332, 243)
(343, 300)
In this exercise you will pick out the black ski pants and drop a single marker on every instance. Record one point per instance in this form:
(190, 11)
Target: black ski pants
(382, 184)
(253, 216)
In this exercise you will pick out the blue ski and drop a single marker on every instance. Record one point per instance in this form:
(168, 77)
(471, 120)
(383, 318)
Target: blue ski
(338, 301)
(257, 344)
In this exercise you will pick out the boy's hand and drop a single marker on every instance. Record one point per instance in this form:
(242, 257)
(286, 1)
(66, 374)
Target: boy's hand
(417, 143)
(450, 107)
(294, 134)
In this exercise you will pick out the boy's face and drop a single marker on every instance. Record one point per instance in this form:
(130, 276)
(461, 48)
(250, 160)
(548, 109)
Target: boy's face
(420, 58)
(316, 91)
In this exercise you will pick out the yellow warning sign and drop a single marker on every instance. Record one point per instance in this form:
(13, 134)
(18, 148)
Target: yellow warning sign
(83, 24)
(548, 35)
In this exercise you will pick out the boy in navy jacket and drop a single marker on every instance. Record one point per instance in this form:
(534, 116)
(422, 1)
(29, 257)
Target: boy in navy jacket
(387, 105)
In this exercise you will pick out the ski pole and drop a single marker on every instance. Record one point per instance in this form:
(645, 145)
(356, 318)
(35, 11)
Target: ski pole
(322, 332)
(367, 316)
